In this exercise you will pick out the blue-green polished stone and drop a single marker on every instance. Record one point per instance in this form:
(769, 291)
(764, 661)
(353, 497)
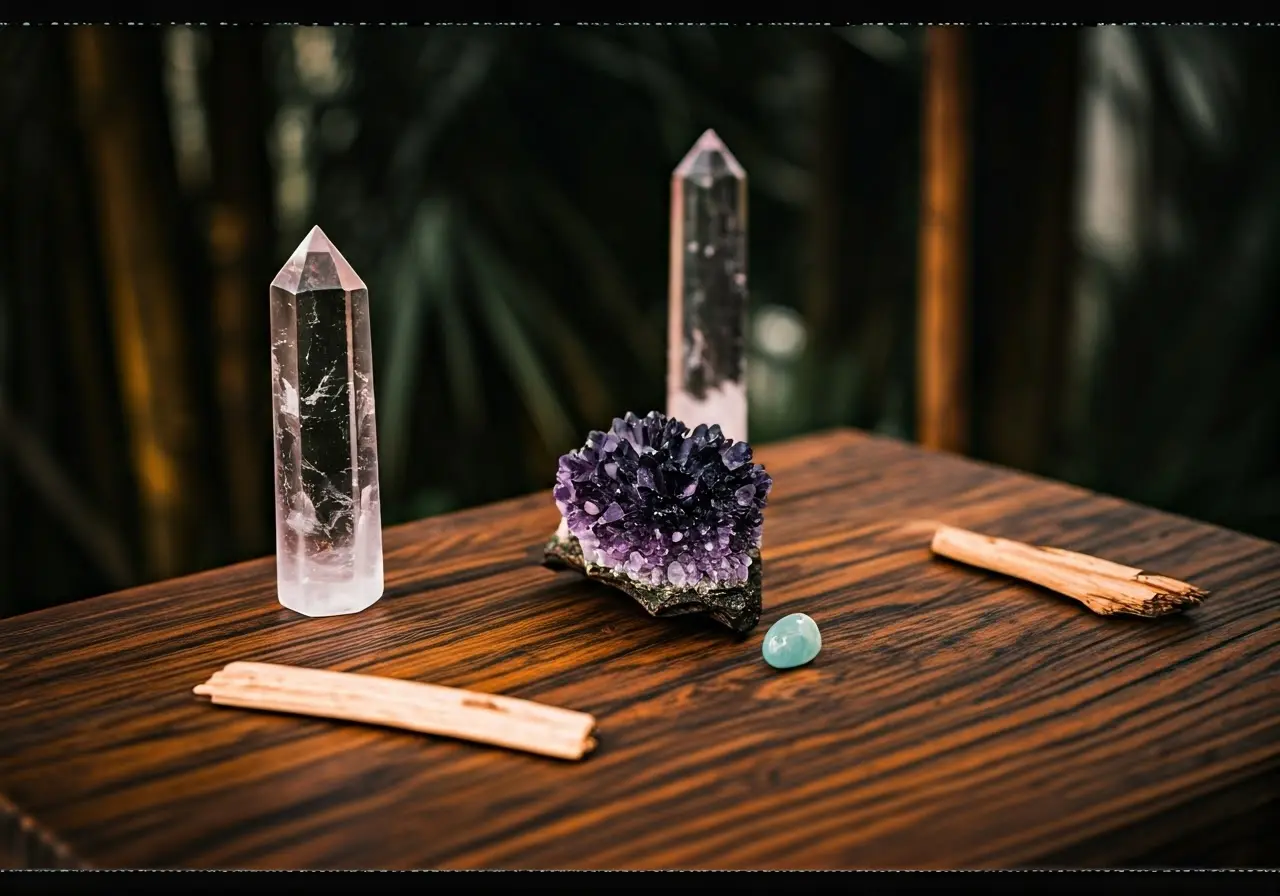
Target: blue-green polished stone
(792, 641)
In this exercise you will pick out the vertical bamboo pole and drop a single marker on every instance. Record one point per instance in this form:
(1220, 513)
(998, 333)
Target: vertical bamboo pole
(144, 290)
(82, 316)
(239, 229)
(824, 293)
(1028, 305)
(95, 402)
(942, 352)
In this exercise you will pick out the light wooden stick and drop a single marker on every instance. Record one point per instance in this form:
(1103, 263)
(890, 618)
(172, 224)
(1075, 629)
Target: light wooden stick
(431, 709)
(1104, 587)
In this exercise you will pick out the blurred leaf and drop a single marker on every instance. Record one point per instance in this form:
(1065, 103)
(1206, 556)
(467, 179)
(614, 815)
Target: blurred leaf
(674, 97)
(897, 50)
(1203, 78)
(422, 273)
(529, 374)
(541, 317)
(701, 44)
(460, 357)
(610, 292)
(431, 502)
(613, 58)
(457, 64)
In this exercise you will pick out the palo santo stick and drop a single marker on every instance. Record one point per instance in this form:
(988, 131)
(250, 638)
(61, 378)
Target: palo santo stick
(414, 706)
(1104, 587)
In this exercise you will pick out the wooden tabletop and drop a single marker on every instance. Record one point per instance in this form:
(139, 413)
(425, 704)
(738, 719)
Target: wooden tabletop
(953, 718)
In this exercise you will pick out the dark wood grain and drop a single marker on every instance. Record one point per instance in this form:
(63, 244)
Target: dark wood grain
(953, 719)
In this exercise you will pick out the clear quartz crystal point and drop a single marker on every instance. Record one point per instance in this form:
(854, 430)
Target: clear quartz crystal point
(706, 351)
(328, 520)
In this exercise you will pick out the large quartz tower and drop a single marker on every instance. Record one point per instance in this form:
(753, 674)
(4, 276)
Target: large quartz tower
(706, 348)
(328, 524)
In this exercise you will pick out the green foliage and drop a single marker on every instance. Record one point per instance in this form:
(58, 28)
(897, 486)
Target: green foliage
(518, 264)
(1181, 395)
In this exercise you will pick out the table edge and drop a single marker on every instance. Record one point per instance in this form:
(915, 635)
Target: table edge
(32, 845)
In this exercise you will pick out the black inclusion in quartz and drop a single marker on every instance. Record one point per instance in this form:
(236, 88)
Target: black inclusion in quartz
(327, 434)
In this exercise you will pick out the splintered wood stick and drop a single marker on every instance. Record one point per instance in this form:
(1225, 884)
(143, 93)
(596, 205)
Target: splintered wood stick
(1104, 587)
(414, 706)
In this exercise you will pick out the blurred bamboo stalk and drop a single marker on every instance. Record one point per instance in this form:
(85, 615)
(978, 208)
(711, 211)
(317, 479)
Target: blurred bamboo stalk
(238, 231)
(849, 302)
(88, 360)
(143, 289)
(942, 353)
(1030, 125)
(827, 280)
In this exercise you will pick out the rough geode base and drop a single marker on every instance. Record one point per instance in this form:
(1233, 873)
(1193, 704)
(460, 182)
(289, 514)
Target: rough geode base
(737, 607)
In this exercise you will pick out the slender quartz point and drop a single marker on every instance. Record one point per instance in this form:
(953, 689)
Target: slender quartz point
(706, 351)
(328, 520)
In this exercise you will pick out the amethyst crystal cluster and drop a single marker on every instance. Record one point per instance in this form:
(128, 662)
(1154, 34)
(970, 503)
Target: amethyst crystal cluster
(671, 516)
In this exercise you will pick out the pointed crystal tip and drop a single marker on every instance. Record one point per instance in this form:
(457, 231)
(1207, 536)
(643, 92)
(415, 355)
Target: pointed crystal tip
(317, 264)
(710, 158)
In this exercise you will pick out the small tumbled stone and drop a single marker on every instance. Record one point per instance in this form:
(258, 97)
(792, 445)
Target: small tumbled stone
(792, 641)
